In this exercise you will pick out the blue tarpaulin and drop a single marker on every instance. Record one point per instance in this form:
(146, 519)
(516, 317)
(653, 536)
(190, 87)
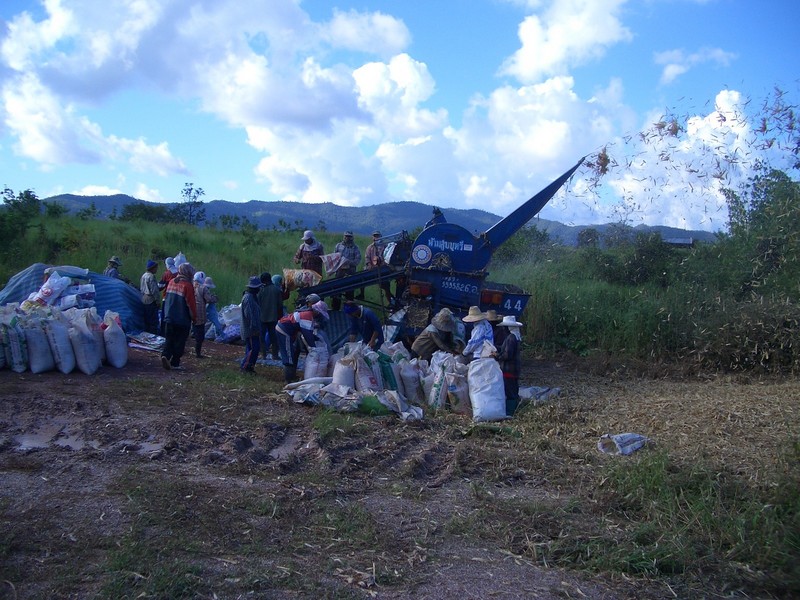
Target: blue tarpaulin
(110, 293)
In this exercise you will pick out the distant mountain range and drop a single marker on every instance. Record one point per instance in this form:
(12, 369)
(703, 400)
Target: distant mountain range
(391, 217)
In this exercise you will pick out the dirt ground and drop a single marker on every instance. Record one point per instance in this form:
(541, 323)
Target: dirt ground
(208, 483)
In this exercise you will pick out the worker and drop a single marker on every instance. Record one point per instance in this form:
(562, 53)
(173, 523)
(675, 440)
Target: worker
(508, 355)
(481, 332)
(374, 260)
(299, 324)
(112, 270)
(309, 254)
(364, 322)
(438, 336)
(350, 259)
(151, 297)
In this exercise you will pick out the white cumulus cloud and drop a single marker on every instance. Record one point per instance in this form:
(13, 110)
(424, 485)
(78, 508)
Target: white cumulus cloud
(567, 34)
(677, 62)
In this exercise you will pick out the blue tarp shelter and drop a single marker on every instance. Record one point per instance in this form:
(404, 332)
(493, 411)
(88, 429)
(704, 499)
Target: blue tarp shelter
(110, 293)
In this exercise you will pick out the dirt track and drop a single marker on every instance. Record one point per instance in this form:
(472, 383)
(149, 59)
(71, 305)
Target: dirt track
(233, 490)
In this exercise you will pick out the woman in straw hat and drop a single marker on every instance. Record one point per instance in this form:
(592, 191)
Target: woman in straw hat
(509, 357)
(481, 332)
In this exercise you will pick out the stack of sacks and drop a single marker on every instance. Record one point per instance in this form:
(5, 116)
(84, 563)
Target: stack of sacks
(44, 338)
(60, 292)
(389, 381)
(361, 379)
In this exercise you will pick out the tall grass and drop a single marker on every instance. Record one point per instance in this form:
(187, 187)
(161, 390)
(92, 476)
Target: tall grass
(230, 257)
(691, 312)
(703, 307)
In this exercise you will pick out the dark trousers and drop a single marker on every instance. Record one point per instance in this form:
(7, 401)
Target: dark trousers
(151, 318)
(290, 355)
(268, 333)
(252, 345)
(199, 332)
(511, 386)
(175, 337)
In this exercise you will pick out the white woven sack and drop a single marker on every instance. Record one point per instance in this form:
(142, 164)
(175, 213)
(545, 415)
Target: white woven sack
(365, 378)
(16, 348)
(58, 338)
(486, 391)
(116, 344)
(39, 354)
(344, 372)
(316, 364)
(87, 355)
(409, 373)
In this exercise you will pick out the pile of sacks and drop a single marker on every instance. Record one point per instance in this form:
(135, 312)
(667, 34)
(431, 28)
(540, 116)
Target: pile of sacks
(62, 292)
(44, 338)
(357, 378)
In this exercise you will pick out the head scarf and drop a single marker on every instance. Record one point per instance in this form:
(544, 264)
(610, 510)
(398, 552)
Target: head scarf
(321, 308)
(187, 270)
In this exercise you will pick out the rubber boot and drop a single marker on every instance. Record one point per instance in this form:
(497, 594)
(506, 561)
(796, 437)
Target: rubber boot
(289, 373)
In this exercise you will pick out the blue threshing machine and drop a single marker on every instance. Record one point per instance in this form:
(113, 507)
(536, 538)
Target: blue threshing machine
(445, 266)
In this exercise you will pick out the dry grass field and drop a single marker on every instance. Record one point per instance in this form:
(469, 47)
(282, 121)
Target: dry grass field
(206, 483)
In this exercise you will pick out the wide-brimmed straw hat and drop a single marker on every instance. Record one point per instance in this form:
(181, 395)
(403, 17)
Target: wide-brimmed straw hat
(509, 321)
(443, 320)
(114, 260)
(492, 316)
(475, 314)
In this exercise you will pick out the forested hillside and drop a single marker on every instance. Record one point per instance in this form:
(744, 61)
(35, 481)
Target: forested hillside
(391, 217)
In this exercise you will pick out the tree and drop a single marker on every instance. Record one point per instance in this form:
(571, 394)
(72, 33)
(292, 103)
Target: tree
(618, 234)
(143, 211)
(16, 215)
(529, 243)
(190, 210)
(88, 213)
(230, 222)
(588, 238)
(54, 210)
(764, 225)
(23, 206)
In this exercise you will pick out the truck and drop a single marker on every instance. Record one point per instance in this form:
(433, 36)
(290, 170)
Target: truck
(445, 265)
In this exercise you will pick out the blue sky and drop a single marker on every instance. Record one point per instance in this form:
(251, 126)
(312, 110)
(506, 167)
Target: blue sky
(455, 103)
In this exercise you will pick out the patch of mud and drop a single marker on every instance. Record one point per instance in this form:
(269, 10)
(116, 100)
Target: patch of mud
(288, 446)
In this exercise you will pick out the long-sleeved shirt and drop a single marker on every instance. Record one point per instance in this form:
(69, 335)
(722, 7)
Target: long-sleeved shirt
(114, 272)
(148, 286)
(300, 322)
(203, 296)
(481, 331)
(431, 340)
(180, 305)
(310, 256)
(270, 300)
(509, 357)
(369, 326)
(251, 316)
(352, 255)
(166, 277)
(373, 256)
